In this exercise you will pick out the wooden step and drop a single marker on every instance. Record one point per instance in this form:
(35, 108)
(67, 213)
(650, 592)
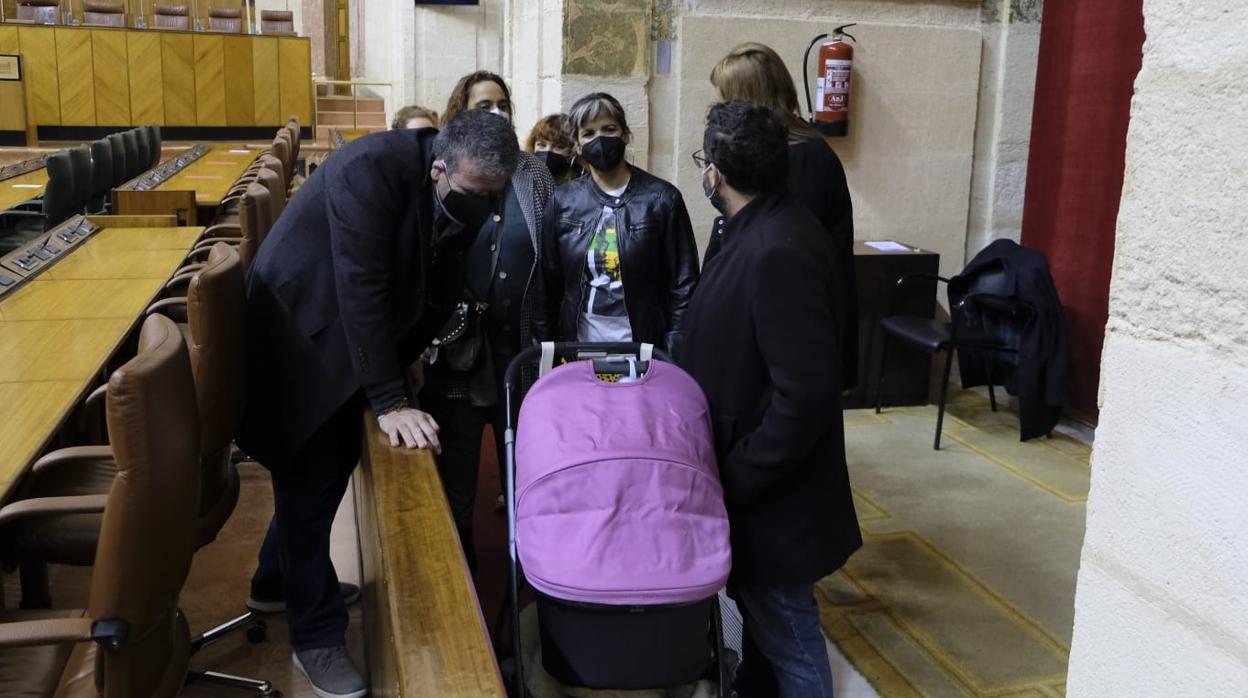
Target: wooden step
(338, 118)
(322, 132)
(344, 104)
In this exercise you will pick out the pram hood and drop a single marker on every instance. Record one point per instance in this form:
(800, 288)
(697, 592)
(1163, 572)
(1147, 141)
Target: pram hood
(618, 499)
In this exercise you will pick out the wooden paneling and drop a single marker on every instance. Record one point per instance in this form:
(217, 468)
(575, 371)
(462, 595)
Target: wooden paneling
(295, 71)
(77, 77)
(43, 95)
(209, 80)
(112, 80)
(177, 53)
(12, 94)
(240, 96)
(425, 634)
(265, 82)
(147, 87)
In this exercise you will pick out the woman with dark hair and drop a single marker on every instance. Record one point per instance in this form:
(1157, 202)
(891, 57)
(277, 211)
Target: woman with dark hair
(619, 261)
(753, 72)
(463, 379)
(479, 90)
(552, 145)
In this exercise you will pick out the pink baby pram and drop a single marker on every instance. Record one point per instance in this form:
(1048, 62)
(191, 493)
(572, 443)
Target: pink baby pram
(616, 514)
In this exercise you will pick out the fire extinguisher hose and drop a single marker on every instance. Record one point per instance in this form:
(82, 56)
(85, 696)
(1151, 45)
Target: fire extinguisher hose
(806, 73)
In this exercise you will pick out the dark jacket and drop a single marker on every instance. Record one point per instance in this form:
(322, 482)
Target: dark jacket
(763, 338)
(658, 257)
(338, 294)
(532, 185)
(817, 181)
(1040, 375)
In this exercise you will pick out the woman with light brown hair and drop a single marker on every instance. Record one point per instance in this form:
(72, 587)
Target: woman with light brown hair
(414, 116)
(753, 72)
(552, 145)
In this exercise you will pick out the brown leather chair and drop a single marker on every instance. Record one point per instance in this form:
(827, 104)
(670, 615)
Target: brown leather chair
(277, 22)
(39, 11)
(103, 14)
(171, 17)
(255, 219)
(225, 19)
(144, 549)
(282, 151)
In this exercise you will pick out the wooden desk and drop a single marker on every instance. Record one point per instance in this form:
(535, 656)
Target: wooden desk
(58, 332)
(423, 624)
(15, 190)
(212, 175)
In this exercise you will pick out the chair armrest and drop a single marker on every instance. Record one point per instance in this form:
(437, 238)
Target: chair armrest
(197, 252)
(53, 506)
(67, 456)
(164, 304)
(96, 395)
(14, 213)
(47, 631)
(110, 634)
(218, 229)
(182, 279)
(206, 243)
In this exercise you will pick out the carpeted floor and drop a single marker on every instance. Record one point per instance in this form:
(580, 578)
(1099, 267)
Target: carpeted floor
(965, 584)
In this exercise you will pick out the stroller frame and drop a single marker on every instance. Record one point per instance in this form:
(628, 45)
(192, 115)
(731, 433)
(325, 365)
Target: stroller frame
(608, 358)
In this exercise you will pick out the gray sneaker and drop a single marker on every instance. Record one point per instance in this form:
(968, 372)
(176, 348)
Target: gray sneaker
(331, 672)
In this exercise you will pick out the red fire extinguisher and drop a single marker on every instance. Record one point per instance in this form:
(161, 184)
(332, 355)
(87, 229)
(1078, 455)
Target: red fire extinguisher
(830, 113)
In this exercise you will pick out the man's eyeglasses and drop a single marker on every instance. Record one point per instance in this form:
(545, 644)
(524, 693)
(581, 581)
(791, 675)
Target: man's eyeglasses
(699, 159)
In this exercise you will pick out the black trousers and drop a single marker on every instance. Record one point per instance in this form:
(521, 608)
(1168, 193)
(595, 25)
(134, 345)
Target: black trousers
(461, 427)
(294, 558)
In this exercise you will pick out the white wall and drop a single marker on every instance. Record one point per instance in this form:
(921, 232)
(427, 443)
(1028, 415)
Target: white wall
(1161, 607)
(909, 153)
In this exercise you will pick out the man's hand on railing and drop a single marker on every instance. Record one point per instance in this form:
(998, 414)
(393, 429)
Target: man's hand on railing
(415, 429)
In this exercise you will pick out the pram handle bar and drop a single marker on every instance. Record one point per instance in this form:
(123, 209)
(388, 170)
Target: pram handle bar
(573, 351)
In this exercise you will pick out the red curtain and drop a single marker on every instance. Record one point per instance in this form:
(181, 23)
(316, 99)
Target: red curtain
(1090, 53)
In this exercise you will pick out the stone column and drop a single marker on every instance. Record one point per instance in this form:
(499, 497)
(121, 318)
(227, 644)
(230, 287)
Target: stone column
(1161, 607)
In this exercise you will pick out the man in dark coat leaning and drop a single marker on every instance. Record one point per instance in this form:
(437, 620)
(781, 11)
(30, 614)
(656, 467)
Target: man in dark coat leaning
(348, 288)
(763, 337)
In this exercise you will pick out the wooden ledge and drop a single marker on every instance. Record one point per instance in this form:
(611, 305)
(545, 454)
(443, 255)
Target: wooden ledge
(422, 622)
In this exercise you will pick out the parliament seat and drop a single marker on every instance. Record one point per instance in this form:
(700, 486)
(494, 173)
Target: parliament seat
(103, 14)
(83, 176)
(131, 640)
(57, 203)
(225, 19)
(102, 176)
(144, 148)
(134, 157)
(121, 168)
(154, 143)
(277, 22)
(39, 11)
(171, 17)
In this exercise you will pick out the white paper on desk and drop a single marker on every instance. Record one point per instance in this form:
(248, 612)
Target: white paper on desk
(28, 186)
(239, 152)
(887, 246)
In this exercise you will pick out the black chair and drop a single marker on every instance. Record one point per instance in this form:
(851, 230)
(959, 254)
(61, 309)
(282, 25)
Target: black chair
(145, 149)
(121, 168)
(101, 176)
(57, 203)
(80, 164)
(966, 331)
(153, 141)
(134, 157)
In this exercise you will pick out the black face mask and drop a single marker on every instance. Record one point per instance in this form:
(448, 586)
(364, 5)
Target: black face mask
(712, 195)
(467, 210)
(556, 163)
(604, 152)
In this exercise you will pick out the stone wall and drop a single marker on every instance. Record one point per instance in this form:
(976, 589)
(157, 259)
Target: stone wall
(1161, 607)
(1011, 36)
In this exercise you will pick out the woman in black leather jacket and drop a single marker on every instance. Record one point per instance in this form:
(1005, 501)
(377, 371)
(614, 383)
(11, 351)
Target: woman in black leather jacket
(619, 261)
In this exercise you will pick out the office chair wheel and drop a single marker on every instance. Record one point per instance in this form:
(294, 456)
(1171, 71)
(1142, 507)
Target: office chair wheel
(257, 633)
